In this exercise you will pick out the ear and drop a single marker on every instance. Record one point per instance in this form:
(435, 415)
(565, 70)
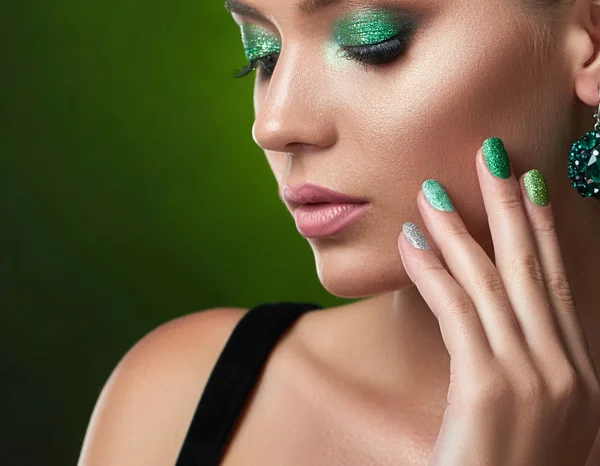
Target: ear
(584, 43)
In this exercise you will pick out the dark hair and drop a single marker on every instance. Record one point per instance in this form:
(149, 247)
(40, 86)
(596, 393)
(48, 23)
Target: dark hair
(550, 9)
(545, 16)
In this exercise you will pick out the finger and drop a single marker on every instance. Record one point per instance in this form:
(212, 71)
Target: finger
(471, 268)
(461, 328)
(538, 209)
(516, 252)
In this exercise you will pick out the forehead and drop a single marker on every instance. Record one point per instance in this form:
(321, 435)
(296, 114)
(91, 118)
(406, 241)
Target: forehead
(265, 10)
(307, 7)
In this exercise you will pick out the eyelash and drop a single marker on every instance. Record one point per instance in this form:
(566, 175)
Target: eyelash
(260, 62)
(367, 55)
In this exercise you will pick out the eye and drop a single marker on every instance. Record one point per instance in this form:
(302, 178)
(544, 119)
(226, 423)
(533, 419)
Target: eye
(266, 64)
(377, 54)
(380, 53)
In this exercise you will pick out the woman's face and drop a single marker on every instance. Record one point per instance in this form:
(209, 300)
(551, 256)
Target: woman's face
(470, 70)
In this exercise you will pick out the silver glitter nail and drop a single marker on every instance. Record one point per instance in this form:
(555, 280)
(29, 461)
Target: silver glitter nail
(415, 236)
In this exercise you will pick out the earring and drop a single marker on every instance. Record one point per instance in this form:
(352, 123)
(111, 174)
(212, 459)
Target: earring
(584, 169)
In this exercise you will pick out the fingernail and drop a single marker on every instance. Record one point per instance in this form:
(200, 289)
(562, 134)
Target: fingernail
(415, 236)
(437, 196)
(496, 157)
(536, 187)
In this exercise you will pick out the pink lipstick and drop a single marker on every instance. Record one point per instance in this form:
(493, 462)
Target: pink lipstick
(320, 211)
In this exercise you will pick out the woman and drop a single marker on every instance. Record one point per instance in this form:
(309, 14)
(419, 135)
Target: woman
(477, 340)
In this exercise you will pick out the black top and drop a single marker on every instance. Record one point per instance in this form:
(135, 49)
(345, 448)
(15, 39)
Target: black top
(232, 379)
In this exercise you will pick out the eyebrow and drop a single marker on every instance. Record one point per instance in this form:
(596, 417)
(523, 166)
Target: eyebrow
(304, 6)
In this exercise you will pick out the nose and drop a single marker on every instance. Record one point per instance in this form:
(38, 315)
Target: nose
(295, 108)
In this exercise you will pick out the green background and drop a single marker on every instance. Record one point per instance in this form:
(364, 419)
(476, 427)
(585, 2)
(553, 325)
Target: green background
(131, 192)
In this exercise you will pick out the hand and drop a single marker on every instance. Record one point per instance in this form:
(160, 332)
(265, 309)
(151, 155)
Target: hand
(523, 387)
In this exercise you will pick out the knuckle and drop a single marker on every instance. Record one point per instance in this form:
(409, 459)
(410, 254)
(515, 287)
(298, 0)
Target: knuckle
(545, 225)
(559, 285)
(529, 384)
(526, 265)
(532, 388)
(510, 200)
(430, 266)
(457, 304)
(567, 387)
(457, 229)
(489, 281)
(427, 270)
(491, 391)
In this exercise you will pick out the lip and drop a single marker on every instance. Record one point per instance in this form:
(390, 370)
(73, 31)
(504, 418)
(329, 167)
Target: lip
(320, 211)
(308, 193)
(314, 220)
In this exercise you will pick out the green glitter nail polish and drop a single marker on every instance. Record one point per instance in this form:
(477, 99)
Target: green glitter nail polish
(437, 196)
(367, 26)
(536, 187)
(258, 42)
(496, 157)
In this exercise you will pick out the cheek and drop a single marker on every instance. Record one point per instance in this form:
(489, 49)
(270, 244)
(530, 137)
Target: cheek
(426, 116)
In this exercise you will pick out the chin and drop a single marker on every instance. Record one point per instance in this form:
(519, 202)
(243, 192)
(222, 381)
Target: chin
(346, 271)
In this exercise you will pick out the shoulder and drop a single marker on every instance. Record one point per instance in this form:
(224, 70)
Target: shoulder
(145, 408)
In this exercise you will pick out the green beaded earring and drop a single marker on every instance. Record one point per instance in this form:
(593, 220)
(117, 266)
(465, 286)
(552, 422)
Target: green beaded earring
(584, 169)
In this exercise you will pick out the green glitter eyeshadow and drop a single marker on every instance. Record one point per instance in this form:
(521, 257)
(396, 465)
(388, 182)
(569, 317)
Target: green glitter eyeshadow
(437, 196)
(258, 42)
(536, 187)
(364, 27)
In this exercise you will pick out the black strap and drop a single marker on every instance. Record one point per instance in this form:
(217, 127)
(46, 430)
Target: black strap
(232, 380)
